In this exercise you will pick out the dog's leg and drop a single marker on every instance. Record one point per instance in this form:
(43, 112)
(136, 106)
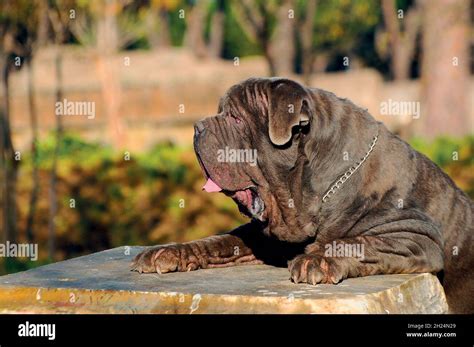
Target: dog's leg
(246, 245)
(390, 253)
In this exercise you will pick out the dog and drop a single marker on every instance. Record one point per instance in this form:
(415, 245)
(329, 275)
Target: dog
(332, 194)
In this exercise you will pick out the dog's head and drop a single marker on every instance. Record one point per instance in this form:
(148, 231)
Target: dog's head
(253, 147)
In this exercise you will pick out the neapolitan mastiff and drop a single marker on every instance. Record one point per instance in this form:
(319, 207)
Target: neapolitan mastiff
(329, 181)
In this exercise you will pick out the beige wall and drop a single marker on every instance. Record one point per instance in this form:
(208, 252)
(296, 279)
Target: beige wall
(156, 83)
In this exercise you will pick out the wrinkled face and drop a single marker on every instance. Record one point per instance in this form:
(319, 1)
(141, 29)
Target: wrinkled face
(252, 148)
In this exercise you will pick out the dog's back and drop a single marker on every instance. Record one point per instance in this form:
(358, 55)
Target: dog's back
(453, 211)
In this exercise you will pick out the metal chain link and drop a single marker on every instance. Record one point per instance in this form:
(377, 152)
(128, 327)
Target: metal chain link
(349, 172)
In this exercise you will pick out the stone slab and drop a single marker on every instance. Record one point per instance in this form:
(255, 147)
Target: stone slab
(102, 283)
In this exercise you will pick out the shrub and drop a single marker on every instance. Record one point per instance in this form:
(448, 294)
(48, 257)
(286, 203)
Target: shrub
(454, 155)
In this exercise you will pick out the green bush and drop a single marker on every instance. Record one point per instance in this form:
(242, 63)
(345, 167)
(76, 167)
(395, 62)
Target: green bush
(106, 201)
(454, 155)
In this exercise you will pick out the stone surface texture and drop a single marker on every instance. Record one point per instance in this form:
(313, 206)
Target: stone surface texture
(102, 283)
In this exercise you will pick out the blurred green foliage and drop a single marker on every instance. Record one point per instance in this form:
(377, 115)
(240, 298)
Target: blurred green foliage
(455, 156)
(177, 28)
(154, 197)
(72, 148)
(236, 43)
(340, 23)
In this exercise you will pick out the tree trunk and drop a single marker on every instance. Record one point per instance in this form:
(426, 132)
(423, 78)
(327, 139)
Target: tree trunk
(393, 30)
(158, 32)
(9, 164)
(152, 29)
(53, 191)
(402, 45)
(34, 152)
(306, 37)
(282, 48)
(164, 34)
(217, 31)
(268, 54)
(194, 38)
(445, 68)
(109, 73)
(253, 18)
(40, 40)
(3, 155)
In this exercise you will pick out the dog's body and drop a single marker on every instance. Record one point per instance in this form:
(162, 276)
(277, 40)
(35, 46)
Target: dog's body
(328, 176)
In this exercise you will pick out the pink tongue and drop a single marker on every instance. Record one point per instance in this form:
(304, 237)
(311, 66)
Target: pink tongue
(211, 186)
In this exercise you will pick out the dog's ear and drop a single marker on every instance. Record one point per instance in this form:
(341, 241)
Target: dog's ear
(289, 105)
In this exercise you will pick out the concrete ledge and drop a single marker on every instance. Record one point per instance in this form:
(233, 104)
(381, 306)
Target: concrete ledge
(101, 283)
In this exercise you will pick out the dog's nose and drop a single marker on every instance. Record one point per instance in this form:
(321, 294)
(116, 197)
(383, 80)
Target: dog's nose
(199, 127)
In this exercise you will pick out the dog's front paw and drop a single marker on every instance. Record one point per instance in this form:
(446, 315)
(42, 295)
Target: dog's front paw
(314, 269)
(162, 259)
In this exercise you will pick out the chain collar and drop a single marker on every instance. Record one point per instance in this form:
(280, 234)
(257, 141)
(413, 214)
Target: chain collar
(349, 172)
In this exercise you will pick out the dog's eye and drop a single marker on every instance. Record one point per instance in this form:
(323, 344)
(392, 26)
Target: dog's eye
(236, 119)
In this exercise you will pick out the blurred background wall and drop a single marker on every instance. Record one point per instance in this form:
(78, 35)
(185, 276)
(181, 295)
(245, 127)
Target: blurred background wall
(151, 68)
